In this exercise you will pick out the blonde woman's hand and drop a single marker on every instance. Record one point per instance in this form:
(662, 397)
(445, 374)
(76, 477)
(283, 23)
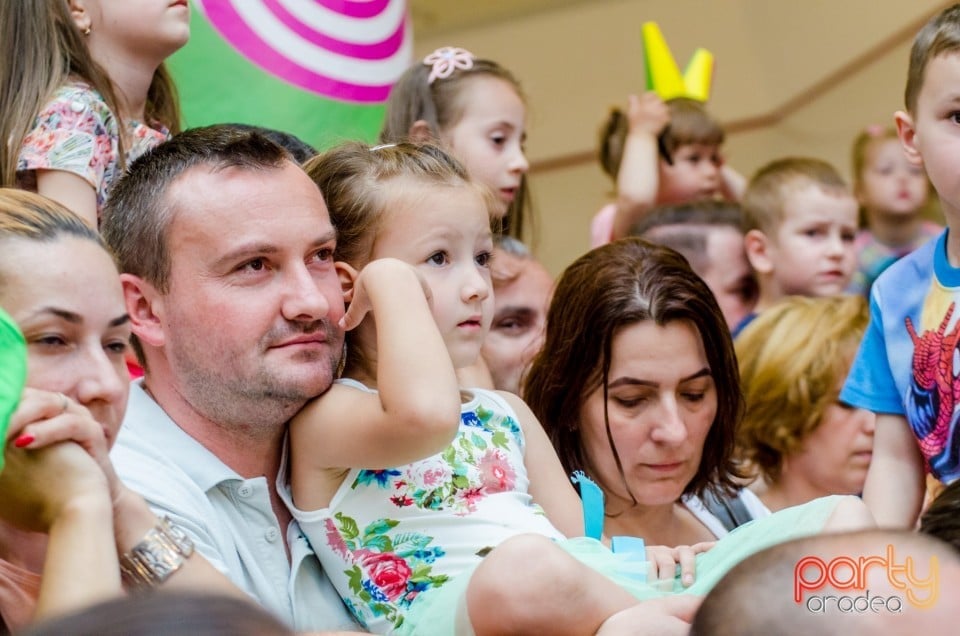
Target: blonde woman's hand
(45, 418)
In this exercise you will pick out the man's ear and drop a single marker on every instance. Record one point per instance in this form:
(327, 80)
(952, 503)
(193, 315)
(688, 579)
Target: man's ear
(420, 132)
(348, 276)
(907, 132)
(757, 246)
(145, 308)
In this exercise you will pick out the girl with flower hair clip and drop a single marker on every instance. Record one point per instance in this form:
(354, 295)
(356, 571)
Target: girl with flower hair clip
(475, 109)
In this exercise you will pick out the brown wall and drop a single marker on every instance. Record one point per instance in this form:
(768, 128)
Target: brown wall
(792, 78)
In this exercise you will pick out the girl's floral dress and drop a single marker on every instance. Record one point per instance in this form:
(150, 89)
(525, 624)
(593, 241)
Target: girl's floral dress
(76, 132)
(390, 536)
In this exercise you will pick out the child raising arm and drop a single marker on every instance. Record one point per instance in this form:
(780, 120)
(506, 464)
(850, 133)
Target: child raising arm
(660, 153)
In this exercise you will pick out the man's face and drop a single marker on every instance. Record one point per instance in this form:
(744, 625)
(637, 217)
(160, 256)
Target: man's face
(522, 288)
(250, 317)
(728, 274)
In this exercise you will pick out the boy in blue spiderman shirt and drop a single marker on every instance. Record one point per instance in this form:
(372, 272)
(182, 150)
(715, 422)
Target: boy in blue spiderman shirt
(907, 367)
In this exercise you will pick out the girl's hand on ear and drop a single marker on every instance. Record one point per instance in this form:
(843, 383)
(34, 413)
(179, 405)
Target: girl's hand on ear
(381, 275)
(664, 561)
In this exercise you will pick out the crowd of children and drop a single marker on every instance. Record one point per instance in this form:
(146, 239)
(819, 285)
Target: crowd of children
(731, 352)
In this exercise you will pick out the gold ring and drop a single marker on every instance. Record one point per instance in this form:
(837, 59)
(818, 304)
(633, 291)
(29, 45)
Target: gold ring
(65, 402)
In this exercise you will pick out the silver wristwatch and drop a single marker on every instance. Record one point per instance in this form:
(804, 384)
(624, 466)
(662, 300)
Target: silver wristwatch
(161, 553)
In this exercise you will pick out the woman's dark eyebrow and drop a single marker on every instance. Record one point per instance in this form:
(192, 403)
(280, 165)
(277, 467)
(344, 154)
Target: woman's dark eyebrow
(628, 381)
(77, 319)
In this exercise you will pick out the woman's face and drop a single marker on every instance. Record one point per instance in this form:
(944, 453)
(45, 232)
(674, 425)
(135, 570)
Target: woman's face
(66, 298)
(834, 458)
(661, 404)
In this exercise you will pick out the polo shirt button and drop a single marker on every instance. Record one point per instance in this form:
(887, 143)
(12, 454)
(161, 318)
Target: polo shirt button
(272, 535)
(245, 491)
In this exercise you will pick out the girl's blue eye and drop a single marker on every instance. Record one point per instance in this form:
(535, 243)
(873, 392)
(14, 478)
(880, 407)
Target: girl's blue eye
(483, 259)
(437, 258)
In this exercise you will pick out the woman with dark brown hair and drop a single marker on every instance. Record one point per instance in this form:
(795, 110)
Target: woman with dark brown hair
(637, 386)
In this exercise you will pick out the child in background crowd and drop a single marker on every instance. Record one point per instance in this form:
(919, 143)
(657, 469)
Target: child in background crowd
(83, 91)
(796, 437)
(892, 193)
(800, 221)
(905, 371)
(475, 109)
(691, 169)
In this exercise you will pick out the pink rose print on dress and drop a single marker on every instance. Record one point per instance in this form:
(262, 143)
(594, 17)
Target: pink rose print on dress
(387, 571)
(496, 472)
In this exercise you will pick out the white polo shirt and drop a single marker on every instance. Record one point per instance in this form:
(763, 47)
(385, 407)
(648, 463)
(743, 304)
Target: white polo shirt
(229, 518)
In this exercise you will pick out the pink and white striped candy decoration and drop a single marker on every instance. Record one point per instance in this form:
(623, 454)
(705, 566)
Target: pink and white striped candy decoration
(349, 50)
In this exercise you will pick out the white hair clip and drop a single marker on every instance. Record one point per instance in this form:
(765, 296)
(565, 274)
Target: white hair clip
(445, 60)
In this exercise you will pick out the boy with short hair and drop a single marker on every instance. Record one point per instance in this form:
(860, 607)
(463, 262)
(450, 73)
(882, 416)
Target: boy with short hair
(800, 221)
(906, 369)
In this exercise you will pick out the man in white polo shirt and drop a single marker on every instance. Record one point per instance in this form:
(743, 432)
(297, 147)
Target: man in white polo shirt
(226, 250)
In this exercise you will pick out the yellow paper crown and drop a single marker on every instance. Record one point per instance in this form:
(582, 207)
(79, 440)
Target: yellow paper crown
(664, 77)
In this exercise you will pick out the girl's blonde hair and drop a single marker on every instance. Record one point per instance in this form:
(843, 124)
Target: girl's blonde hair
(29, 216)
(40, 49)
(360, 184)
(792, 358)
(440, 104)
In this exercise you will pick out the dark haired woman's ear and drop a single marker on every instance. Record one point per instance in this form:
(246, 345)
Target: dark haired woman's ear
(420, 132)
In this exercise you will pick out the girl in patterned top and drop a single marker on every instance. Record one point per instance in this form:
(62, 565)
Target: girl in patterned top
(83, 90)
(418, 495)
(894, 195)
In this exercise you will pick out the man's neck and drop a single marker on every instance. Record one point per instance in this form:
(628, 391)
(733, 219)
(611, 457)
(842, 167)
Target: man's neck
(251, 450)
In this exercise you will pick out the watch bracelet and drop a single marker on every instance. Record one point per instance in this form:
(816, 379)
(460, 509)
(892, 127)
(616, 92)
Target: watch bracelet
(160, 553)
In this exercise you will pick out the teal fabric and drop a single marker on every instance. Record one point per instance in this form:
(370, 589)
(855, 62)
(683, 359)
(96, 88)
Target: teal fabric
(435, 613)
(13, 372)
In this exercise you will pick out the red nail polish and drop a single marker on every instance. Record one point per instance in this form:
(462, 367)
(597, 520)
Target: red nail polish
(23, 440)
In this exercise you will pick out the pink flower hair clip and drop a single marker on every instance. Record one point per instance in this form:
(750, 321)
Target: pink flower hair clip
(875, 130)
(445, 60)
